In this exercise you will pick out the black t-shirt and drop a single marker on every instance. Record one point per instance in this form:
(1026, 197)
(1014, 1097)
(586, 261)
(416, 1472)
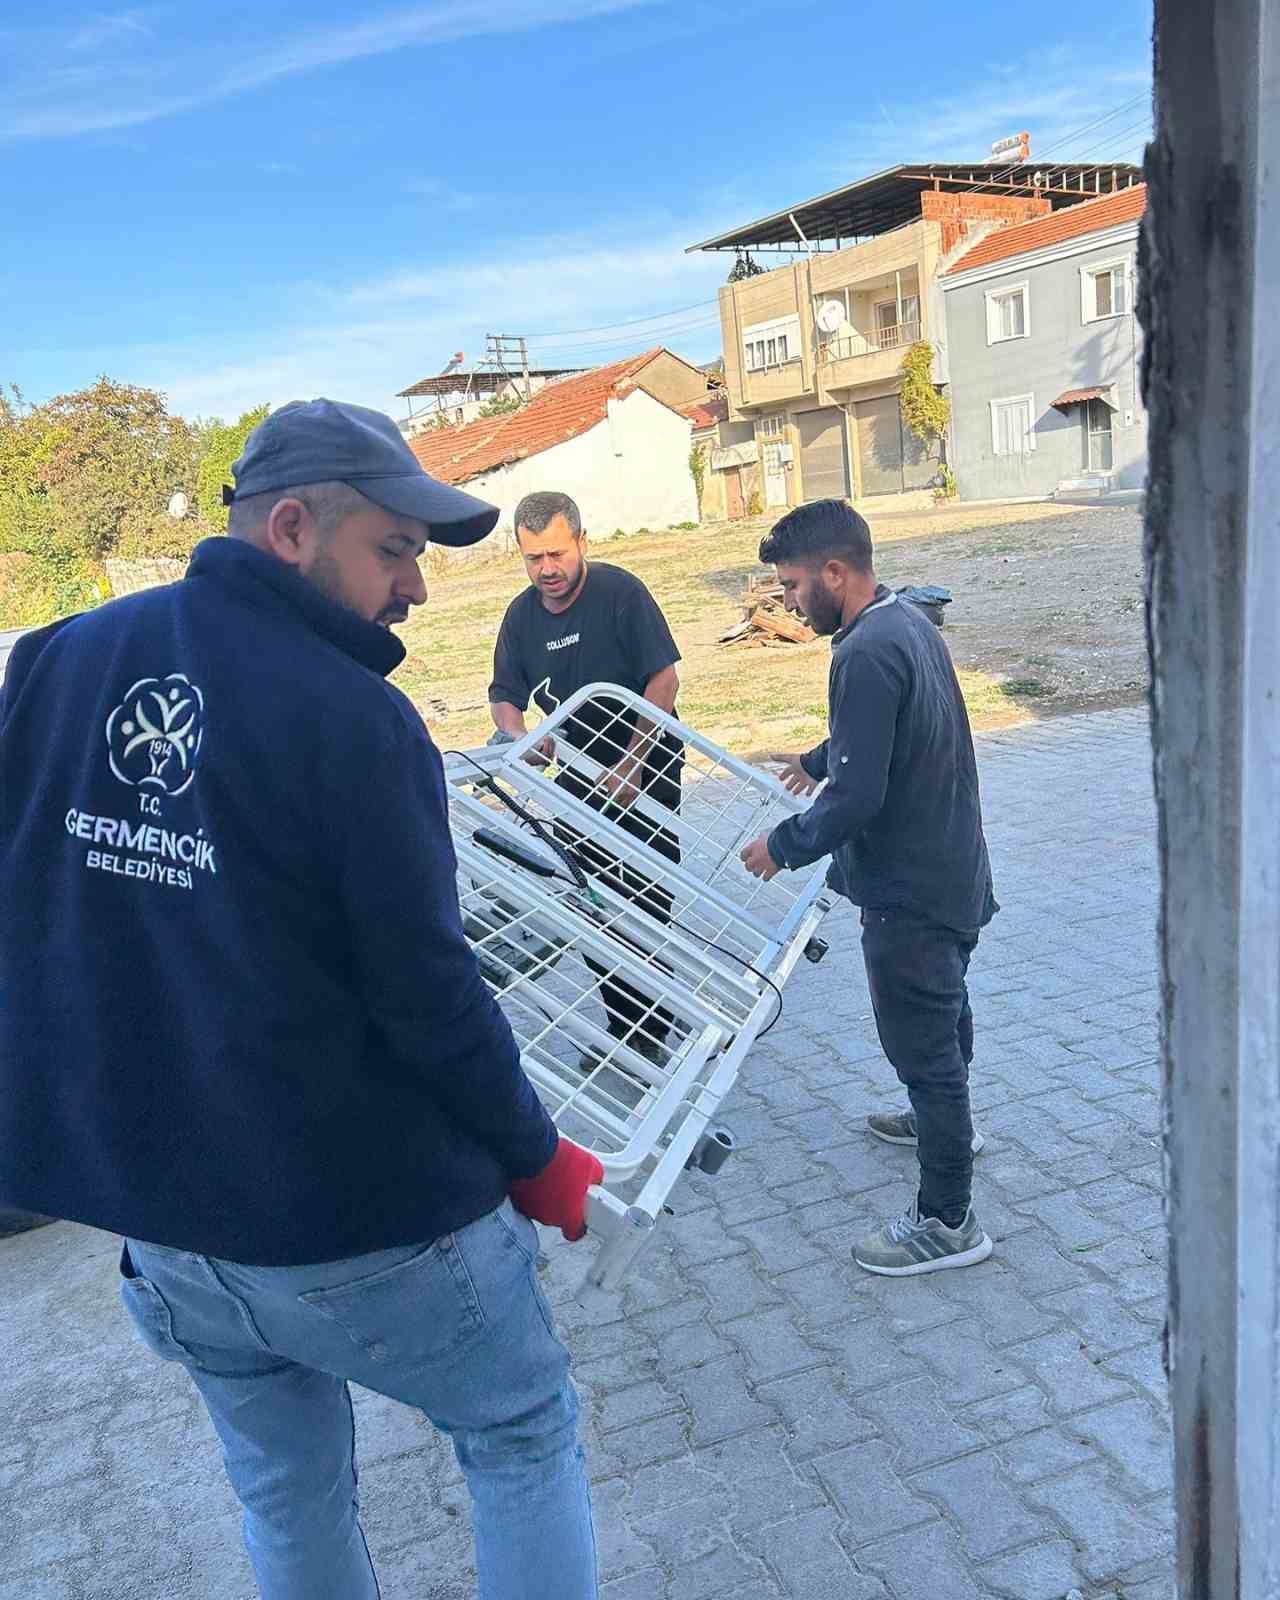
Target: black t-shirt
(613, 632)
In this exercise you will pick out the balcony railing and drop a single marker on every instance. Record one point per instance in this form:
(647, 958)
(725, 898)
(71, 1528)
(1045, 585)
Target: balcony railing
(896, 336)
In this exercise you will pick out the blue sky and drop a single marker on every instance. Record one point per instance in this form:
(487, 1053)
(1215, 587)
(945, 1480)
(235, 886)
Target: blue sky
(275, 199)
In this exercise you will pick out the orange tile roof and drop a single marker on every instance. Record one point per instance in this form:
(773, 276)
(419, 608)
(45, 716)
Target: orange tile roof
(1074, 222)
(706, 411)
(561, 411)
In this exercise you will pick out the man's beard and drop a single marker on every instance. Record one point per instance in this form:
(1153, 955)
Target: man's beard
(824, 612)
(572, 578)
(325, 574)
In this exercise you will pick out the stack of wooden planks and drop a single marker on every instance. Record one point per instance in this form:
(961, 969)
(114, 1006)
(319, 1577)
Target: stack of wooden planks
(765, 619)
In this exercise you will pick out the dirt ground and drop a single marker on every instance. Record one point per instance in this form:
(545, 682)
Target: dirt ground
(1047, 618)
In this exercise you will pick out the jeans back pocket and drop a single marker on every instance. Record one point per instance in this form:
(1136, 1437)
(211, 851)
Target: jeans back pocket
(414, 1311)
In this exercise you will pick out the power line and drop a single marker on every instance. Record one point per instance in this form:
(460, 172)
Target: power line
(659, 324)
(1134, 128)
(606, 327)
(660, 335)
(999, 174)
(559, 353)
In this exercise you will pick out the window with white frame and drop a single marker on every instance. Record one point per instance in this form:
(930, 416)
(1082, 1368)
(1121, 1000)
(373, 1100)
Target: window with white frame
(771, 344)
(772, 426)
(1104, 291)
(1008, 313)
(1013, 425)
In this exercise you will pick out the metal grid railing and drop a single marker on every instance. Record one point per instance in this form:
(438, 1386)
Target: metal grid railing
(602, 890)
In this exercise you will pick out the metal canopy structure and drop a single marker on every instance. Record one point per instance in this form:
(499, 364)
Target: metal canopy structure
(479, 380)
(890, 199)
(565, 891)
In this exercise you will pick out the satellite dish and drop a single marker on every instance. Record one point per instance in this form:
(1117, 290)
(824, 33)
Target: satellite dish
(830, 315)
(179, 505)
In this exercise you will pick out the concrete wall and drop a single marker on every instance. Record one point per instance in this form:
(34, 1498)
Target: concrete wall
(715, 489)
(629, 472)
(1211, 304)
(1060, 352)
(670, 379)
(129, 577)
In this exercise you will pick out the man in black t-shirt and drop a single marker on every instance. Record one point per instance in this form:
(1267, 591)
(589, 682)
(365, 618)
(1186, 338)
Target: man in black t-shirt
(583, 622)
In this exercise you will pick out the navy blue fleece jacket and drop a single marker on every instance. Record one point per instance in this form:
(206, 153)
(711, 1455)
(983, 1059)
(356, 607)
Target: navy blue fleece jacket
(237, 1012)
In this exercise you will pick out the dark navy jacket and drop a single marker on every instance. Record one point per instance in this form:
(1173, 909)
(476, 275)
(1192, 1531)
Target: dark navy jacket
(900, 814)
(237, 1012)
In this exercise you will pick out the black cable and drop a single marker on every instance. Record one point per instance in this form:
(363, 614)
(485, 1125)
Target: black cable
(763, 977)
(564, 852)
(570, 860)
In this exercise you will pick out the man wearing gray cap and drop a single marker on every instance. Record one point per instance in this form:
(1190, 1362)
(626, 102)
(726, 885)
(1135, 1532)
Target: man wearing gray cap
(283, 1079)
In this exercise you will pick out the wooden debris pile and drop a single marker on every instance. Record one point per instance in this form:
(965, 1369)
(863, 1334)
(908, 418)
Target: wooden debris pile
(765, 619)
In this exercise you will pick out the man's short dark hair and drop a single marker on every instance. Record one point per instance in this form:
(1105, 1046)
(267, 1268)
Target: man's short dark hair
(536, 512)
(824, 530)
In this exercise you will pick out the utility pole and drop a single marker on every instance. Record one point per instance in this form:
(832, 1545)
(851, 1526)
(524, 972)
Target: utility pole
(505, 352)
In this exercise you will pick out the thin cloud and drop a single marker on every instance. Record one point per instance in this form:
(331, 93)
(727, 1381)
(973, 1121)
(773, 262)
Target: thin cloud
(62, 102)
(109, 30)
(443, 196)
(1061, 107)
(367, 341)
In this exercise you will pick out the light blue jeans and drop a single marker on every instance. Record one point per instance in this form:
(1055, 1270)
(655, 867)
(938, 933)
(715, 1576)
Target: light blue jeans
(458, 1328)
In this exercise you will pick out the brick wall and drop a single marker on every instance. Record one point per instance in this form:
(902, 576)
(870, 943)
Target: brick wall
(956, 211)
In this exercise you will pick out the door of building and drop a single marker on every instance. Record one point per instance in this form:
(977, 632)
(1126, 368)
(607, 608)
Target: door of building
(734, 505)
(775, 474)
(891, 457)
(824, 456)
(1097, 422)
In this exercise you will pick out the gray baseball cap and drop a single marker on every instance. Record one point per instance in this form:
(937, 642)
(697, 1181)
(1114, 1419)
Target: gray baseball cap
(321, 441)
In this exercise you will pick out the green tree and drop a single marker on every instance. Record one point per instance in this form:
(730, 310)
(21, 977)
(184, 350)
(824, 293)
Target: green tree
(223, 445)
(115, 459)
(925, 410)
(698, 471)
(84, 476)
(501, 406)
(25, 444)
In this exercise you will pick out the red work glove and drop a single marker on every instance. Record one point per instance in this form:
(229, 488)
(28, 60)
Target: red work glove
(558, 1195)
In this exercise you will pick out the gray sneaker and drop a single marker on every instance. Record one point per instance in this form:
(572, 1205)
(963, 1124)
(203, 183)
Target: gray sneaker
(912, 1243)
(899, 1127)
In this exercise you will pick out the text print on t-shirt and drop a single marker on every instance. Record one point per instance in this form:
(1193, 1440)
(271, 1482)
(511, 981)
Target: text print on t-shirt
(563, 644)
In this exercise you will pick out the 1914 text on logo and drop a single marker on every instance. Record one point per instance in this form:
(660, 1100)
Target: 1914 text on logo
(154, 734)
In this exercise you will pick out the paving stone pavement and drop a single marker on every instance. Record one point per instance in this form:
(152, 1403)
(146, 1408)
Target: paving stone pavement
(763, 1420)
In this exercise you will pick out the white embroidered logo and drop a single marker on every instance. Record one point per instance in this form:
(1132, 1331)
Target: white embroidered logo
(154, 734)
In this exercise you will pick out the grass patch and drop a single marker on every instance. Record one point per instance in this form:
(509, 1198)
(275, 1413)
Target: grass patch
(748, 700)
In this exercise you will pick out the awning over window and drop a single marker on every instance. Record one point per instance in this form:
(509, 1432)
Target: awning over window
(1079, 397)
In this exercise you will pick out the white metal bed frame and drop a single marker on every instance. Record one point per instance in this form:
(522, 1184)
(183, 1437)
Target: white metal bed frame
(561, 899)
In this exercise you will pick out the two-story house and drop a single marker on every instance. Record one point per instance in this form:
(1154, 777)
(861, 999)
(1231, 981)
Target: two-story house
(813, 349)
(1043, 351)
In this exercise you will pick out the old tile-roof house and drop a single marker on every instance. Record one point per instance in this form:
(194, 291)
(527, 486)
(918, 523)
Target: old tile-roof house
(1044, 349)
(615, 438)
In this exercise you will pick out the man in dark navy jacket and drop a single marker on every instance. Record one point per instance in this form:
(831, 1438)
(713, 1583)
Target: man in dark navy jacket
(900, 817)
(239, 1023)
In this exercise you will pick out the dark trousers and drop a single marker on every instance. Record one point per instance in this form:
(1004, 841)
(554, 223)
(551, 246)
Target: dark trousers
(629, 1010)
(916, 973)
